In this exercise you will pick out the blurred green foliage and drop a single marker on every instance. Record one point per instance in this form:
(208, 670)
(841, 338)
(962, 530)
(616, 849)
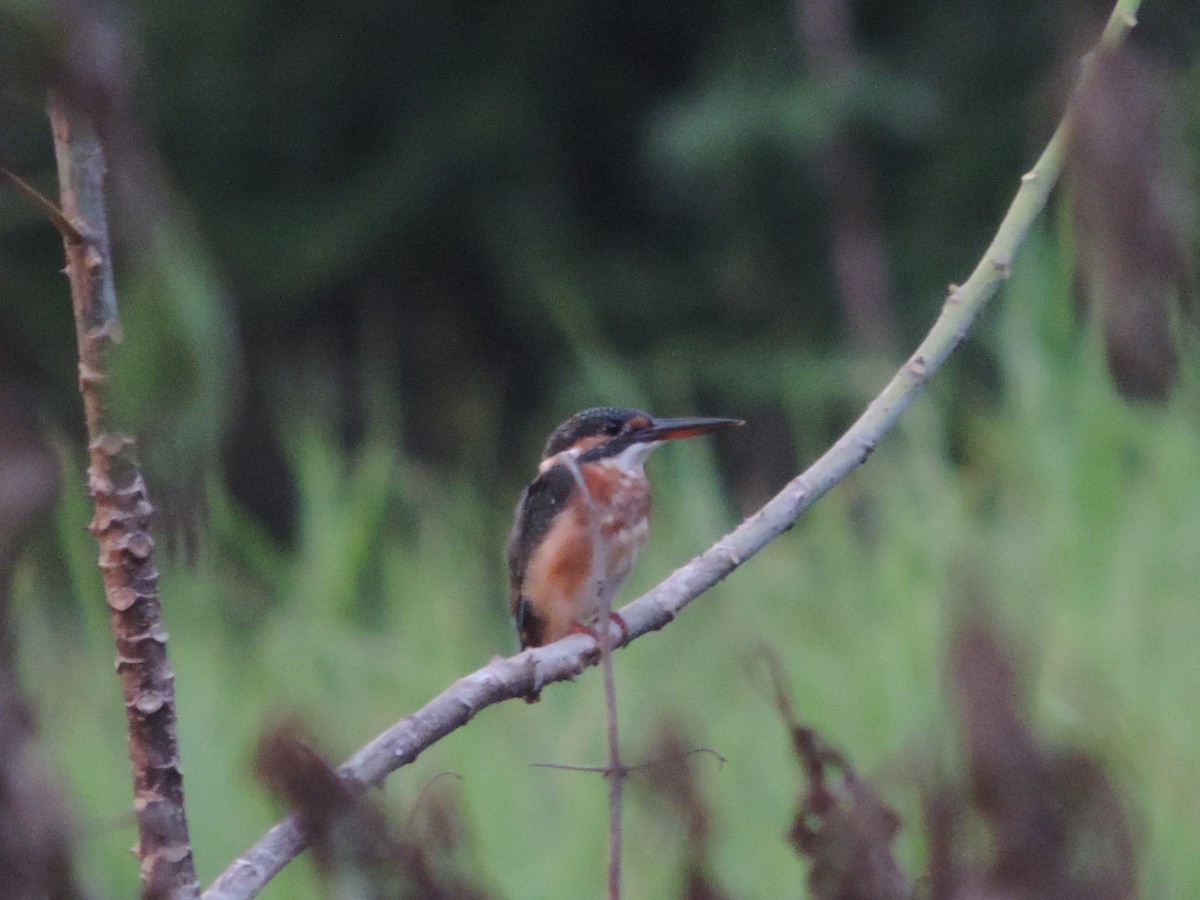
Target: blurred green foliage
(1077, 512)
(492, 188)
(401, 242)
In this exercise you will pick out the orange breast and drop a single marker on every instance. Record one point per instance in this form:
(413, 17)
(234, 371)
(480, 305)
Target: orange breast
(580, 566)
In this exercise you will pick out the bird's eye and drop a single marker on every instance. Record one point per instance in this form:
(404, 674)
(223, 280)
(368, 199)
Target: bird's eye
(613, 426)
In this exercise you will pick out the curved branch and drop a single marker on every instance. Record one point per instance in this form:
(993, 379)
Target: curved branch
(518, 676)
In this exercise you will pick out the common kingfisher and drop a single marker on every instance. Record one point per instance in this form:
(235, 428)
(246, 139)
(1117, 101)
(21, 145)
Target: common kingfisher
(581, 523)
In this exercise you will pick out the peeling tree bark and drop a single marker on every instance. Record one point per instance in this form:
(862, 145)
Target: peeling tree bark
(122, 522)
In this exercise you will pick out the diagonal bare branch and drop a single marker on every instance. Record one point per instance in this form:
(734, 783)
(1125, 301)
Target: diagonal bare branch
(517, 676)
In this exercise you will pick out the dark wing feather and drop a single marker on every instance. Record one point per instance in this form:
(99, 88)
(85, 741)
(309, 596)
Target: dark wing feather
(540, 503)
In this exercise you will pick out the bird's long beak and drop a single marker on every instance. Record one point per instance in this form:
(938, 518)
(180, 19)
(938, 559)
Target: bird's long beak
(670, 429)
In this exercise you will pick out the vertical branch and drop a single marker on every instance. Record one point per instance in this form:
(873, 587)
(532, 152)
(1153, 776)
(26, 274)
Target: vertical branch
(121, 522)
(36, 841)
(857, 251)
(616, 771)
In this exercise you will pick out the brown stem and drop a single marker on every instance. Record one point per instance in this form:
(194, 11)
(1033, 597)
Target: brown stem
(121, 522)
(616, 771)
(858, 251)
(36, 833)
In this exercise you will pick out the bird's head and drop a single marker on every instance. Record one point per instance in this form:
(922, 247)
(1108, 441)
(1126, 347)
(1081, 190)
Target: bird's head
(624, 435)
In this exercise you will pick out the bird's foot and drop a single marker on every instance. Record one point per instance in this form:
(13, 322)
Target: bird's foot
(617, 619)
(595, 633)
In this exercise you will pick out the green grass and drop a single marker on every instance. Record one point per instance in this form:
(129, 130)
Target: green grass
(1078, 514)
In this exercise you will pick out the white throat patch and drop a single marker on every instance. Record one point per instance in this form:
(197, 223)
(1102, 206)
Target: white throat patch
(633, 457)
(630, 460)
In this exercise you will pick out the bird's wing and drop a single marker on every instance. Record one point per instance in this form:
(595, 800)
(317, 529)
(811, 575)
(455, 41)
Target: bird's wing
(540, 503)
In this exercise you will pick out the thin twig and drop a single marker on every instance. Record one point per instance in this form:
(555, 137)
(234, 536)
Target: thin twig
(517, 676)
(615, 771)
(640, 767)
(68, 231)
(857, 250)
(121, 522)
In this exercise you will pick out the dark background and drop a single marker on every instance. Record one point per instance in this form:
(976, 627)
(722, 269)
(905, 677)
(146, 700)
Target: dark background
(369, 255)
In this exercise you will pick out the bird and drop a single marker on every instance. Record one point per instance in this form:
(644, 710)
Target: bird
(580, 524)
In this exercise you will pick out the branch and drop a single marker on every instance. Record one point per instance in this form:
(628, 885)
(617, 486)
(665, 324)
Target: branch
(45, 205)
(518, 676)
(121, 522)
(857, 251)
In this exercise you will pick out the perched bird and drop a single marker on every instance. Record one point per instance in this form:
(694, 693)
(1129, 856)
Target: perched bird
(580, 525)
